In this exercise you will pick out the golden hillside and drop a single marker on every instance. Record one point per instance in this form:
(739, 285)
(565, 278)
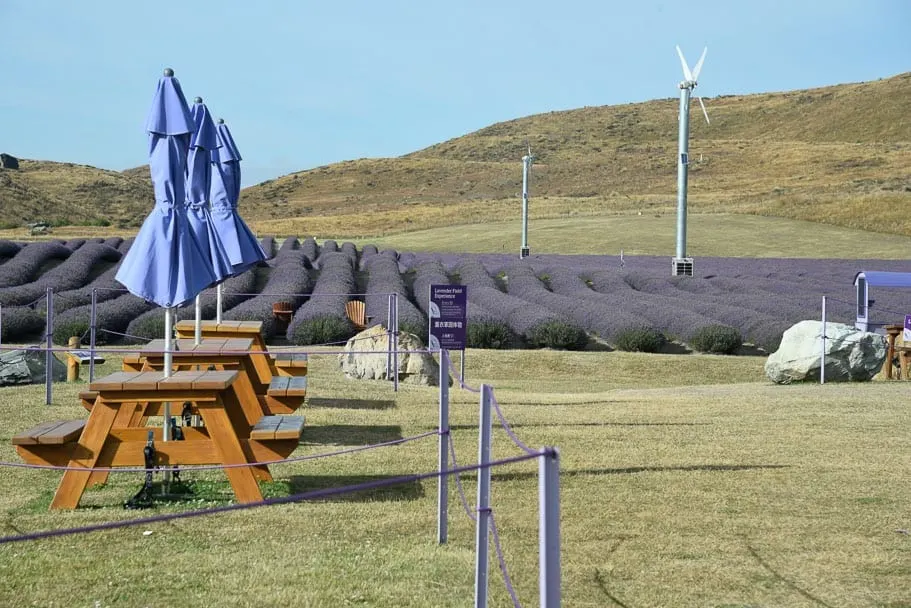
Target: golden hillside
(840, 155)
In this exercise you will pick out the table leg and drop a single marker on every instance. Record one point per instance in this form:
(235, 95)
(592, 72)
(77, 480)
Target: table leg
(85, 454)
(126, 414)
(890, 353)
(231, 451)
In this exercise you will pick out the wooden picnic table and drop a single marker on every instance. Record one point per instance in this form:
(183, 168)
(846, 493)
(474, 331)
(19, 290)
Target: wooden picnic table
(276, 395)
(278, 364)
(234, 433)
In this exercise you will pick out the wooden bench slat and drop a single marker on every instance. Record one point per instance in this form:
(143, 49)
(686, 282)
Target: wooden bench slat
(112, 381)
(56, 432)
(290, 427)
(278, 387)
(297, 387)
(277, 427)
(84, 356)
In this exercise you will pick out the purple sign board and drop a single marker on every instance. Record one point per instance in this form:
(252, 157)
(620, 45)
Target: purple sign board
(448, 316)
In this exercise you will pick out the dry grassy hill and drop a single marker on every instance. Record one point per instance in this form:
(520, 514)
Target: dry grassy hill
(840, 155)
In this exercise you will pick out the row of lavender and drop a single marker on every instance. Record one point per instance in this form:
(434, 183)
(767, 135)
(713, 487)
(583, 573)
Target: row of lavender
(590, 295)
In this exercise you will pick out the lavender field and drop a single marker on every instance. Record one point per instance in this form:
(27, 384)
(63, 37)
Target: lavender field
(600, 297)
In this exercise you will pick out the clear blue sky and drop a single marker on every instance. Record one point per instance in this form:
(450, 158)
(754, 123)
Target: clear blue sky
(304, 83)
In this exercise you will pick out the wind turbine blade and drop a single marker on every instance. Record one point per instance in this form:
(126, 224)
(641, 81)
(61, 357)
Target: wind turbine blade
(698, 67)
(686, 68)
(706, 114)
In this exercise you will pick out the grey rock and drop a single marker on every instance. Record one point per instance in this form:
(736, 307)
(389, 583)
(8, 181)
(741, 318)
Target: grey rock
(27, 367)
(8, 161)
(851, 354)
(365, 358)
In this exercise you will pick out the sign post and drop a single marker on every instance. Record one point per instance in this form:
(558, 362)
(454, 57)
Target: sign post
(448, 317)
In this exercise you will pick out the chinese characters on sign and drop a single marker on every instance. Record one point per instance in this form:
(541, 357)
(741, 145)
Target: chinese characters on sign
(906, 334)
(448, 316)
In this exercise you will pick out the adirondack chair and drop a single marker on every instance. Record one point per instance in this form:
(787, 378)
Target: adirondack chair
(355, 311)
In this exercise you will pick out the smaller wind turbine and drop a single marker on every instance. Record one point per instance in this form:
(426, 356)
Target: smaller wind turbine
(683, 265)
(527, 161)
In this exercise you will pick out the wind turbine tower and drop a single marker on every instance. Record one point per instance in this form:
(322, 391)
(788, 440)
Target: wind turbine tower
(527, 161)
(681, 264)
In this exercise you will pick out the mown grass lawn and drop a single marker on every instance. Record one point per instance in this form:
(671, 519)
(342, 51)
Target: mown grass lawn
(687, 480)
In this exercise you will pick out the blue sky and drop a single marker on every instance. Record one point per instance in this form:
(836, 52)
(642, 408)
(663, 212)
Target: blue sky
(304, 83)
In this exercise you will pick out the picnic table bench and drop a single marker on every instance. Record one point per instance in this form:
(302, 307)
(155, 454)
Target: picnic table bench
(234, 432)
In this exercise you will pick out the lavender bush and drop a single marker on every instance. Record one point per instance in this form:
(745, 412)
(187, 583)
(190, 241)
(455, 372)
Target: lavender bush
(74, 272)
(322, 319)
(288, 281)
(150, 325)
(25, 266)
(111, 321)
(384, 278)
(8, 249)
(310, 249)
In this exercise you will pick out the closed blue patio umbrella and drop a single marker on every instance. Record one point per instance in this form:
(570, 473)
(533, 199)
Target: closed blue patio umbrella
(166, 264)
(244, 251)
(203, 142)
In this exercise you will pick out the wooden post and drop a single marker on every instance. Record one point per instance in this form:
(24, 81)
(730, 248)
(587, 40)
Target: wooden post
(72, 361)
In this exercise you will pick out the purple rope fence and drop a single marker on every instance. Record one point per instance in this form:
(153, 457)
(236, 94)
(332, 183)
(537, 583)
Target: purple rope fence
(312, 495)
(507, 428)
(458, 478)
(502, 561)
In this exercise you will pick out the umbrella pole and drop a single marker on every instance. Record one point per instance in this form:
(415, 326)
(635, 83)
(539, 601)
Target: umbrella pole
(198, 333)
(168, 362)
(219, 303)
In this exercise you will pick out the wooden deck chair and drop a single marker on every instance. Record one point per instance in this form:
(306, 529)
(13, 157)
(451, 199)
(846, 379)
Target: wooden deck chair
(356, 314)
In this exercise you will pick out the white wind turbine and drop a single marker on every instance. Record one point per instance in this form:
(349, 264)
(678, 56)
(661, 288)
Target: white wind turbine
(527, 161)
(683, 265)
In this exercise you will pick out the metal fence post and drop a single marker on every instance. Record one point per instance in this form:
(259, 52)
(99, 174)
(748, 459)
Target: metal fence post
(482, 530)
(92, 321)
(549, 528)
(822, 359)
(389, 336)
(443, 461)
(395, 341)
(48, 345)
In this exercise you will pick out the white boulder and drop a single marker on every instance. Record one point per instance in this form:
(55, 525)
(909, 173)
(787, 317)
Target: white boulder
(365, 358)
(851, 354)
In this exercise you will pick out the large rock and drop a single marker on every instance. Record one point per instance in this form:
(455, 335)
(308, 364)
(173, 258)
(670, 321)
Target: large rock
(851, 354)
(365, 358)
(9, 162)
(27, 367)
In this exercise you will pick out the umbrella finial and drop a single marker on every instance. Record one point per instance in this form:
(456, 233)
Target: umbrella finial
(220, 121)
(168, 72)
(197, 100)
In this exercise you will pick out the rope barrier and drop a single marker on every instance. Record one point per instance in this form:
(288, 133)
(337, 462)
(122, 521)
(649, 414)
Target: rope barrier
(502, 561)
(311, 495)
(459, 379)
(506, 427)
(458, 478)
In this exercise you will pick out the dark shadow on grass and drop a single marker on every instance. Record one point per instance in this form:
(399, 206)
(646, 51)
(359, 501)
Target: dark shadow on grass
(519, 476)
(781, 578)
(351, 404)
(520, 425)
(407, 490)
(350, 434)
(599, 578)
